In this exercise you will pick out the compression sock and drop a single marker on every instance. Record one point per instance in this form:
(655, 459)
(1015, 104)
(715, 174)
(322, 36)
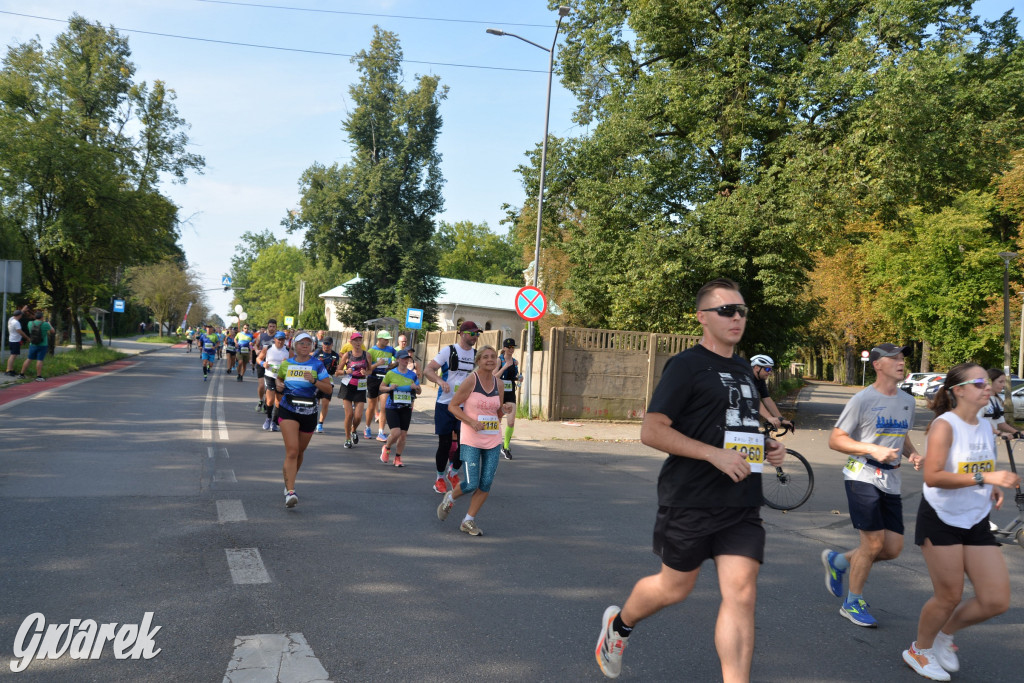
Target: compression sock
(508, 435)
(620, 627)
(274, 415)
(853, 597)
(205, 369)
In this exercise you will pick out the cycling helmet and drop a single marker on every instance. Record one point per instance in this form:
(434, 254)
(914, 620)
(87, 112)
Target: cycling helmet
(762, 360)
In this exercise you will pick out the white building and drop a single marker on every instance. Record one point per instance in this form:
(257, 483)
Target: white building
(492, 307)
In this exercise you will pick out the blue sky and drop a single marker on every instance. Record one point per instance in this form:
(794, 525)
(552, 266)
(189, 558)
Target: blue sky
(260, 117)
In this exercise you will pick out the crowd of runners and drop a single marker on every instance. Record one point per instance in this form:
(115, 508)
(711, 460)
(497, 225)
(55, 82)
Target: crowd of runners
(706, 415)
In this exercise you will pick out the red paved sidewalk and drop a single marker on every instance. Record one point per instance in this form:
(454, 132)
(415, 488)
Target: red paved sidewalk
(24, 390)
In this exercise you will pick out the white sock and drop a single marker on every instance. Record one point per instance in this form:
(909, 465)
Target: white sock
(469, 518)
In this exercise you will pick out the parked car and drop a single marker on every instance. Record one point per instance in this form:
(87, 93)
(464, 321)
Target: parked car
(1018, 403)
(919, 385)
(907, 385)
(1016, 389)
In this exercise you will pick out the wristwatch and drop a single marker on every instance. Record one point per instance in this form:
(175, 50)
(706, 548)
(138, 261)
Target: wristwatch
(979, 479)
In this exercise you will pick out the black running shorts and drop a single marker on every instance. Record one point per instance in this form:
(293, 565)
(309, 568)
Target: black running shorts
(307, 423)
(930, 527)
(399, 418)
(685, 537)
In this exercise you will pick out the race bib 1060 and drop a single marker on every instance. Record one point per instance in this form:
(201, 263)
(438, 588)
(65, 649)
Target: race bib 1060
(751, 445)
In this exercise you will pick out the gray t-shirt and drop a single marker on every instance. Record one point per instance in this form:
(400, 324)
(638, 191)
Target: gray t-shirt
(873, 417)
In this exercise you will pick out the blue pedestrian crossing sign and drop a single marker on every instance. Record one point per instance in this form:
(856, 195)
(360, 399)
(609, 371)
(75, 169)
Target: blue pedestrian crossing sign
(118, 305)
(225, 281)
(414, 319)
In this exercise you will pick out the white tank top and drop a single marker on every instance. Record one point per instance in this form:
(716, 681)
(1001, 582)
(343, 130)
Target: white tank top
(274, 358)
(973, 450)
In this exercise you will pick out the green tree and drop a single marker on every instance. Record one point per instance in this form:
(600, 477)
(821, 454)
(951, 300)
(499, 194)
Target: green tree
(246, 253)
(375, 215)
(470, 251)
(740, 138)
(82, 151)
(166, 289)
(273, 290)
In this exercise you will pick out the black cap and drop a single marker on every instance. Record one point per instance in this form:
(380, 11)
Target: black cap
(509, 343)
(888, 351)
(328, 340)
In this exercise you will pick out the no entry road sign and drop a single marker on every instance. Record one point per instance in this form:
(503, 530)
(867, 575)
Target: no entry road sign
(530, 303)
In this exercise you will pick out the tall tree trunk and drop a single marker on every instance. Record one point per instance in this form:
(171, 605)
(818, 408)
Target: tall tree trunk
(926, 356)
(95, 330)
(76, 327)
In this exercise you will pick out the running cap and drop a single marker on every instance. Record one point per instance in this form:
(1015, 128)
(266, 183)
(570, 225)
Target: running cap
(355, 335)
(329, 341)
(468, 326)
(762, 360)
(404, 353)
(300, 336)
(383, 334)
(509, 343)
(888, 351)
(280, 335)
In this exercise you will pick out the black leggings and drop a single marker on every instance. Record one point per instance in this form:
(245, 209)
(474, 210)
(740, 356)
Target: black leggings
(444, 453)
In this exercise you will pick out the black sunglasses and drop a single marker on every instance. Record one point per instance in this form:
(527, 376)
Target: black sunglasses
(729, 310)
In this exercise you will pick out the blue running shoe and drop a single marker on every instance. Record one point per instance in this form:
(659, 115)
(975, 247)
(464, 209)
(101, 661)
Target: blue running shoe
(367, 434)
(833, 575)
(857, 612)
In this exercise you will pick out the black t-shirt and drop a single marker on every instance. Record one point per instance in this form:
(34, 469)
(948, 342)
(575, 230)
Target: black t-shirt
(706, 395)
(329, 359)
(762, 387)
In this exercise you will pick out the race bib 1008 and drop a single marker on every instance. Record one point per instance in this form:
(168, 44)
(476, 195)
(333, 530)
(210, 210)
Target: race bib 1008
(296, 372)
(488, 424)
(751, 445)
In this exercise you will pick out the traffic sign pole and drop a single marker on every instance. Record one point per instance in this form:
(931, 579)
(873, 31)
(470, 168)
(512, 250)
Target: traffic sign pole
(530, 304)
(864, 355)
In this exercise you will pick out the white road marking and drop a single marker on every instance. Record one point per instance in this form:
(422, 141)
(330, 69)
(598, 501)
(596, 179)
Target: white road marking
(222, 425)
(209, 450)
(230, 511)
(207, 406)
(246, 566)
(225, 476)
(275, 657)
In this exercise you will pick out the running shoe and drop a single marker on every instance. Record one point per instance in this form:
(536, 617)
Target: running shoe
(445, 506)
(367, 434)
(469, 526)
(381, 436)
(20, 376)
(453, 479)
(945, 652)
(833, 575)
(440, 487)
(384, 455)
(319, 427)
(274, 427)
(266, 425)
(506, 453)
(290, 499)
(355, 437)
(259, 406)
(205, 378)
(39, 379)
(610, 645)
(858, 613)
(398, 461)
(348, 443)
(924, 663)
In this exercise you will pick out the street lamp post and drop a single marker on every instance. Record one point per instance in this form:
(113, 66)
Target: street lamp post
(563, 12)
(1007, 256)
(1020, 357)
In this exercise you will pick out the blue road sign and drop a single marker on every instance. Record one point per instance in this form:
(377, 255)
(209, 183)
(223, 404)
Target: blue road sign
(225, 281)
(414, 319)
(118, 305)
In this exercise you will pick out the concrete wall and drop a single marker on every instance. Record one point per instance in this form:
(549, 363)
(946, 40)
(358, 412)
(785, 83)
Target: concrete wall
(502, 321)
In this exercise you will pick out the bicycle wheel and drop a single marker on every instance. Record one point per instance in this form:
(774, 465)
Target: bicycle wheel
(788, 486)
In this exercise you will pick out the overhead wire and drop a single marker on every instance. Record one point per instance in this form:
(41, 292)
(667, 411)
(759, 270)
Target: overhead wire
(278, 47)
(369, 14)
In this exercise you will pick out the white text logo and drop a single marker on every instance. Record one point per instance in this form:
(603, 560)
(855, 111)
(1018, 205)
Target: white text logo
(81, 639)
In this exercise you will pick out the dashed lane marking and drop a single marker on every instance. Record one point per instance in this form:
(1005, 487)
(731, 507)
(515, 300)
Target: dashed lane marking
(277, 657)
(230, 511)
(246, 566)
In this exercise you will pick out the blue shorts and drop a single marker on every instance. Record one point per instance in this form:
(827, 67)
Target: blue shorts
(37, 351)
(480, 465)
(15, 347)
(210, 355)
(444, 421)
(871, 509)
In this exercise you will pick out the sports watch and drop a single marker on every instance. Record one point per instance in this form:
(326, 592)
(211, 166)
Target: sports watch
(979, 479)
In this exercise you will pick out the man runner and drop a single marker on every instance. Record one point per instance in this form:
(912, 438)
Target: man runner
(704, 414)
(328, 357)
(762, 366)
(208, 346)
(456, 362)
(243, 340)
(873, 431)
(264, 340)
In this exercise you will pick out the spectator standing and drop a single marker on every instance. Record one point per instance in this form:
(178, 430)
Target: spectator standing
(15, 336)
(39, 343)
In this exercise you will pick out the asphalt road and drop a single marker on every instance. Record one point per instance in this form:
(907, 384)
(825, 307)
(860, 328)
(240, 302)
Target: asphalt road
(111, 491)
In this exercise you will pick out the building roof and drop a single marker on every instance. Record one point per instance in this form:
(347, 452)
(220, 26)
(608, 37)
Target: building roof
(460, 292)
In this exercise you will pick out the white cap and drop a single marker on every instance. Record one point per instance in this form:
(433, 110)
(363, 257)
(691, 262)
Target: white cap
(300, 336)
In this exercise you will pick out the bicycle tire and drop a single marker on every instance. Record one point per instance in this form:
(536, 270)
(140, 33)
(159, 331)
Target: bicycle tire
(789, 486)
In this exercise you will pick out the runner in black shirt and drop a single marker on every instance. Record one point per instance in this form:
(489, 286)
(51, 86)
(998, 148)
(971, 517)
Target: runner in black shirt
(329, 357)
(704, 414)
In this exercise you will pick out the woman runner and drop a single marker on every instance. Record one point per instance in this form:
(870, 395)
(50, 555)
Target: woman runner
(507, 371)
(354, 364)
(270, 358)
(401, 385)
(477, 404)
(960, 486)
(297, 382)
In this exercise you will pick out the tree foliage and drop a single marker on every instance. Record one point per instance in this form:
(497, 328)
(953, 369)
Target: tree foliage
(83, 148)
(742, 139)
(375, 214)
(167, 289)
(470, 251)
